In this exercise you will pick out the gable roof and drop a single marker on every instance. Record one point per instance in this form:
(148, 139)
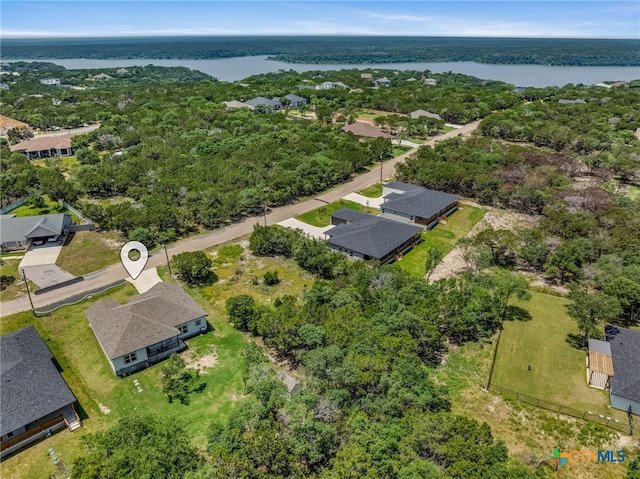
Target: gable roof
(563, 101)
(347, 214)
(14, 228)
(371, 235)
(419, 201)
(295, 98)
(625, 351)
(236, 104)
(31, 386)
(145, 320)
(260, 100)
(425, 113)
(42, 143)
(362, 128)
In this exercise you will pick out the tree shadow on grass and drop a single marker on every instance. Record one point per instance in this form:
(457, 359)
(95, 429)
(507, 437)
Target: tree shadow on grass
(576, 341)
(516, 313)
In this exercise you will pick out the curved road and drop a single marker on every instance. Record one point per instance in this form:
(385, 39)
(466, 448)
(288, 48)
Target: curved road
(116, 272)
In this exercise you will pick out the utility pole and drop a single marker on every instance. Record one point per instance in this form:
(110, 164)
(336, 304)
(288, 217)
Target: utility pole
(167, 255)
(26, 285)
(265, 213)
(381, 163)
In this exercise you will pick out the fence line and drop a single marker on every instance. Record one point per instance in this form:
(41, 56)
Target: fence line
(76, 212)
(557, 408)
(16, 204)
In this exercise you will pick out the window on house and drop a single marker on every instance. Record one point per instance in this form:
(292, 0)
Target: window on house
(10, 434)
(129, 358)
(198, 322)
(183, 329)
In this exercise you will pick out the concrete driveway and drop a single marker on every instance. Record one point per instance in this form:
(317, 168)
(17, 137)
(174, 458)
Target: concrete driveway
(147, 279)
(364, 200)
(46, 275)
(313, 231)
(41, 255)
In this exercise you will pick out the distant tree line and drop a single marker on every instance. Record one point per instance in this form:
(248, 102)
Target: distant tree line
(328, 49)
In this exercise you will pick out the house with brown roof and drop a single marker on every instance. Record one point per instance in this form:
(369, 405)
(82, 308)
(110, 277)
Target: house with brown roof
(362, 128)
(148, 328)
(47, 146)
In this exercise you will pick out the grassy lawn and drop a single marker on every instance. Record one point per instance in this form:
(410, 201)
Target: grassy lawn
(558, 373)
(442, 237)
(322, 216)
(373, 191)
(400, 150)
(9, 268)
(634, 192)
(90, 251)
(104, 398)
(50, 207)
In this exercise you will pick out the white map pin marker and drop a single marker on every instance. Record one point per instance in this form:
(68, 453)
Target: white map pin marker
(134, 267)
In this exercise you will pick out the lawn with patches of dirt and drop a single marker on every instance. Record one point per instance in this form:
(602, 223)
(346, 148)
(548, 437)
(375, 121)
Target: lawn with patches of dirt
(89, 251)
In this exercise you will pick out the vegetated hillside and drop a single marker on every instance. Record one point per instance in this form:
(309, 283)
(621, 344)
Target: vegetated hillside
(171, 158)
(327, 49)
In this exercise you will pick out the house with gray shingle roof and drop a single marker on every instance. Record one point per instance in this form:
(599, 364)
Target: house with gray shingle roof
(296, 101)
(148, 328)
(563, 101)
(19, 232)
(416, 205)
(364, 236)
(271, 105)
(624, 384)
(383, 82)
(35, 399)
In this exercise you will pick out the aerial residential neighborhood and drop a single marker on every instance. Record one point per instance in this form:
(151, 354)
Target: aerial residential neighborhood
(318, 256)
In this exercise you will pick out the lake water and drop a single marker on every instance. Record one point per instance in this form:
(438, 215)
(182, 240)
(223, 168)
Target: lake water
(233, 69)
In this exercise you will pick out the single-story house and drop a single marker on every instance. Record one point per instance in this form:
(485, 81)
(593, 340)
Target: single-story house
(50, 81)
(148, 328)
(122, 71)
(36, 400)
(624, 385)
(328, 85)
(18, 233)
(366, 76)
(4, 86)
(101, 76)
(430, 81)
(364, 236)
(579, 101)
(383, 82)
(296, 101)
(362, 128)
(416, 205)
(232, 105)
(519, 89)
(425, 114)
(271, 105)
(599, 364)
(47, 146)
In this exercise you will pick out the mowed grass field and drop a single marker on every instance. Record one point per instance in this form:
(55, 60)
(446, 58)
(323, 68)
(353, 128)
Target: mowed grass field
(322, 216)
(89, 251)
(558, 370)
(103, 397)
(442, 237)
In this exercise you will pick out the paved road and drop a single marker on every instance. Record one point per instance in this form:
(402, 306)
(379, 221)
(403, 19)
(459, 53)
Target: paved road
(237, 230)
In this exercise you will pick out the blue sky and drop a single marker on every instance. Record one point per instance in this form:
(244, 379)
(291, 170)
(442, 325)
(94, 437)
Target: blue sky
(516, 18)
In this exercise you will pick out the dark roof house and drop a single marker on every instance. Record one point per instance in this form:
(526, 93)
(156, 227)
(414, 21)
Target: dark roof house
(424, 113)
(295, 100)
(19, 232)
(35, 399)
(624, 389)
(271, 105)
(366, 236)
(415, 204)
(146, 329)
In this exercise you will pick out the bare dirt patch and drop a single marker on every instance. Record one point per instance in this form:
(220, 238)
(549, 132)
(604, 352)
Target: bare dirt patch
(104, 409)
(200, 362)
(454, 263)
